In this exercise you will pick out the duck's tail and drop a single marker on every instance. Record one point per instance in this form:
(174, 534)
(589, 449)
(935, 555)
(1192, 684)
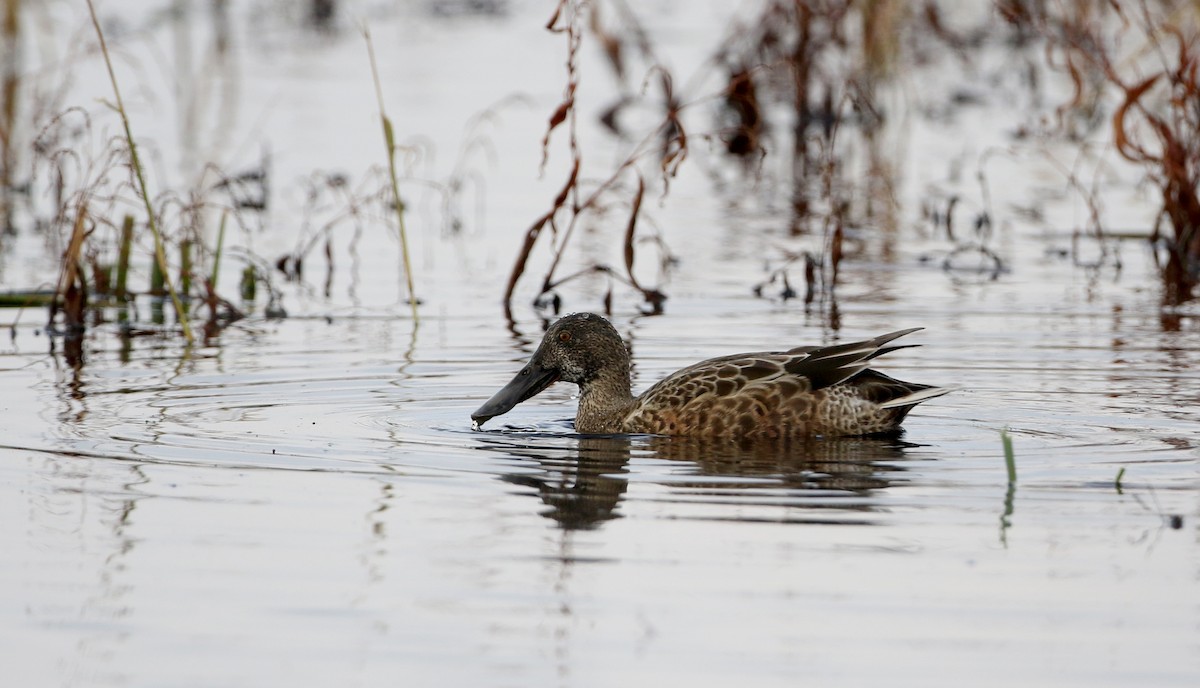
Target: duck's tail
(897, 396)
(915, 397)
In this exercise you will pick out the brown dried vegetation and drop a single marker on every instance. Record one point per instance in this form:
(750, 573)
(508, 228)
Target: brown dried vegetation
(822, 63)
(1156, 120)
(573, 202)
(792, 51)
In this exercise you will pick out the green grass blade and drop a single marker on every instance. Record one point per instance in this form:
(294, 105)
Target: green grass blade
(1009, 461)
(216, 266)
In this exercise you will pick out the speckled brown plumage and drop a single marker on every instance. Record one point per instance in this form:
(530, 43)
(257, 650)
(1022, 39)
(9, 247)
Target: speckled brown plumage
(797, 393)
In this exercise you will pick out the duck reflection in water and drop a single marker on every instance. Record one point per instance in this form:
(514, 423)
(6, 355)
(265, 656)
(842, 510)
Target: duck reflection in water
(583, 486)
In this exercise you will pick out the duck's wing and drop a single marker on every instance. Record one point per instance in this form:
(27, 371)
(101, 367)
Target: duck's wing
(725, 389)
(716, 376)
(808, 367)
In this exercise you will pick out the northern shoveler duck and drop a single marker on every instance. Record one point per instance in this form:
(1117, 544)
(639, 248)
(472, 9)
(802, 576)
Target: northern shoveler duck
(801, 392)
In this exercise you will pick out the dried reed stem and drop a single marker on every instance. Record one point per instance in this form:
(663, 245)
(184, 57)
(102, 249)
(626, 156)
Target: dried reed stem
(389, 140)
(122, 289)
(160, 253)
(216, 266)
(72, 285)
(10, 80)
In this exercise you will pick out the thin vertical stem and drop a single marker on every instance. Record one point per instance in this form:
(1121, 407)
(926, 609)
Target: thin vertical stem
(122, 291)
(10, 82)
(389, 139)
(160, 254)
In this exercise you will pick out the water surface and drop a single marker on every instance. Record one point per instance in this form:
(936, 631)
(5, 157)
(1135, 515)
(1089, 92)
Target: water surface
(303, 502)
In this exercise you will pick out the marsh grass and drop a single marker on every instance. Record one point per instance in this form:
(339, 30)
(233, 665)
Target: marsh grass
(135, 163)
(121, 288)
(86, 191)
(797, 81)
(799, 53)
(98, 263)
(1155, 116)
(804, 80)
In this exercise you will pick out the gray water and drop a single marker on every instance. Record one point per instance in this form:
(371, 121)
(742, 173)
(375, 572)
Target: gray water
(302, 501)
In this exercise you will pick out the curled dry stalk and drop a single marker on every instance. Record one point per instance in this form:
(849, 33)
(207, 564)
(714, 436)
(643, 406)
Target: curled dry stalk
(477, 143)
(160, 255)
(799, 53)
(330, 201)
(389, 140)
(1175, 165)
(1156, 122)
(571, 197)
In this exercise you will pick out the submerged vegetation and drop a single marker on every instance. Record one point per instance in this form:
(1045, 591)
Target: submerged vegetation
(797, 108)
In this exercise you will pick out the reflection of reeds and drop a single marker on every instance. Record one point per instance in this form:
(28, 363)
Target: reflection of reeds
(159, 251)
(824, 61)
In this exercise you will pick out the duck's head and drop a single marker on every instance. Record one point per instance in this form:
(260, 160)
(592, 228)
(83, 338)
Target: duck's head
(578, 348)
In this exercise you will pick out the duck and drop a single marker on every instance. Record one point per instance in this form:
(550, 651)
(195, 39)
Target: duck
(807, 391)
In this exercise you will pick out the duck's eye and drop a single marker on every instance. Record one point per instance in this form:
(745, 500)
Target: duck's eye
(564, 337)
